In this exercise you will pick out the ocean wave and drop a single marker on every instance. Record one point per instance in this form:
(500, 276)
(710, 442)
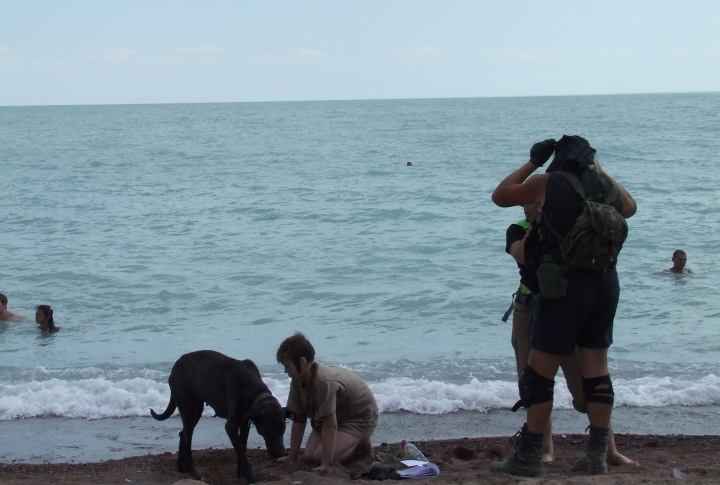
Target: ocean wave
(103, 397)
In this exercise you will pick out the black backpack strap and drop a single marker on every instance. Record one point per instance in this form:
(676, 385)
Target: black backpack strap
(613, 194)
(609, 198)
(575, 183)
(552, 229)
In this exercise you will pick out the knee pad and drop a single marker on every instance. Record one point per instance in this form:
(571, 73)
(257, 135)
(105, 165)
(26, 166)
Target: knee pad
(534, 389)
(599, 390)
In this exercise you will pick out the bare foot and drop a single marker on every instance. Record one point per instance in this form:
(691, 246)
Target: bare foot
(618, 459)
(321, 470)
(548, 458)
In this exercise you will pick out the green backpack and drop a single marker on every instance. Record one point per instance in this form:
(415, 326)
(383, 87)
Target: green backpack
(596, 239)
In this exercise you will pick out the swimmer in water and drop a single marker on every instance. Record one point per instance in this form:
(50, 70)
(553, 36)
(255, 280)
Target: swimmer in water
(44, 318)
(5, 314)
(679, 258)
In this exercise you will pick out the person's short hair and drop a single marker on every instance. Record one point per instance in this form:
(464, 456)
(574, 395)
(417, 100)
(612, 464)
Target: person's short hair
(678, 252)
(295, 347)
(3, 299)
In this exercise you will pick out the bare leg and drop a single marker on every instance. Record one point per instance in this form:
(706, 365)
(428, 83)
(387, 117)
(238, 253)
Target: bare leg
(547, 366)
(548, 452)
(614, 457)
(344, 445)
(527, 460)
(593, 363)
(571, 369)
(521, 333)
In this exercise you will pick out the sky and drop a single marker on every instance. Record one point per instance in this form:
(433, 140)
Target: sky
(151, 51)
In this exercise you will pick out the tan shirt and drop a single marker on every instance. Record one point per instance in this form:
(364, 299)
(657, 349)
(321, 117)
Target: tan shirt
(335, 390)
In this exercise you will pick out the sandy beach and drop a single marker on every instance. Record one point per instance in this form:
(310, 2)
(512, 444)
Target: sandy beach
(662, 459)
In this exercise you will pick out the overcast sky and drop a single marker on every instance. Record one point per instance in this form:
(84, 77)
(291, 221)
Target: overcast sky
(100, 52)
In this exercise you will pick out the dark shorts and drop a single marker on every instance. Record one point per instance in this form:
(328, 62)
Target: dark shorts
(584, 316)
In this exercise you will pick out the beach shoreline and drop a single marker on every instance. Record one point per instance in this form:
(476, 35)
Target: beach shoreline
(662, 459)
(67, 440)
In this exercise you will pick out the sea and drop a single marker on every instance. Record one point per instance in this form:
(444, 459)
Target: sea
(156, 230)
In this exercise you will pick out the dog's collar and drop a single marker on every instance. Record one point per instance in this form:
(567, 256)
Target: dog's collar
(260, 397)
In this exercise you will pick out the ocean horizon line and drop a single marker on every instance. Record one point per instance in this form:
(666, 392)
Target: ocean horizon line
(353, 100)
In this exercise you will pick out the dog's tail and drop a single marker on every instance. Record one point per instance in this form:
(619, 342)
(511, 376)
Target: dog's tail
(168, 412)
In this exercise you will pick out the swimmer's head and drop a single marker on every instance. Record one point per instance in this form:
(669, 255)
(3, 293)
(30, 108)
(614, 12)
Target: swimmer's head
(679, 259)
(44, 317)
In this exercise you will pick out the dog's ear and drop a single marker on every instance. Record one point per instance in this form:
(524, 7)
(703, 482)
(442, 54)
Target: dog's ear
(290, 415)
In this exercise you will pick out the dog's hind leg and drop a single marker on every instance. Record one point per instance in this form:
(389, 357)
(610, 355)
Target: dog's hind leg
(190, 413)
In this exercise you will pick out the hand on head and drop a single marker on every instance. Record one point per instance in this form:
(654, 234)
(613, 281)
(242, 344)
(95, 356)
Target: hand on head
(542, 151)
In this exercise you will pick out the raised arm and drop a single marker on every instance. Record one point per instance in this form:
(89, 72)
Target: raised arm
(513, 190)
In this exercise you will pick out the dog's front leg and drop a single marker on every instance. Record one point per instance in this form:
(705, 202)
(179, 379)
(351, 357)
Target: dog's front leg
(238, 435)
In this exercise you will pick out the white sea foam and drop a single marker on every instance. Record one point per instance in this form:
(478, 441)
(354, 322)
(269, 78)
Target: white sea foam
(102, 397)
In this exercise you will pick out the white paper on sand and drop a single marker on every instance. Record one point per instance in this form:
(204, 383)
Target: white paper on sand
(423, 470)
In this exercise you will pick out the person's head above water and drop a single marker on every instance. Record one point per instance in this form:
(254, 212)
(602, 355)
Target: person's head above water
(679, 259)
(6, 315)
(297, 351)
(44, 318)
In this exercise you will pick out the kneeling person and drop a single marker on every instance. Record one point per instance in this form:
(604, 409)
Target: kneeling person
(342, 409)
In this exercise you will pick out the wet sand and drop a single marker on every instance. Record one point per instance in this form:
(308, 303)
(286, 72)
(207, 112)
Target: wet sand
(61, 440)
(663, 459)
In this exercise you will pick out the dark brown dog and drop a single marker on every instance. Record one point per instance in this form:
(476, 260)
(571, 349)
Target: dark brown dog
(235, 390)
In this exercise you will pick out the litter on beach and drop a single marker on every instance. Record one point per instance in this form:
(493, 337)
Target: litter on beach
(423, 470)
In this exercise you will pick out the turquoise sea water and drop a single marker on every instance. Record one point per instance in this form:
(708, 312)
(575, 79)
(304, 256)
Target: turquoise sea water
(155, 230)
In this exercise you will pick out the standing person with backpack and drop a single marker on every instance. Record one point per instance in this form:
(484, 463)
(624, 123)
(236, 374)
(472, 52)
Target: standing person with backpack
(579, 232)
(522, 310)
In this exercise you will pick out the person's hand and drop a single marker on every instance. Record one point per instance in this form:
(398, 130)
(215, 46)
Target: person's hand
(541, 151)
(321, 470)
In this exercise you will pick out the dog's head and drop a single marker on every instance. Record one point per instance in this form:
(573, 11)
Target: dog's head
(269, 419)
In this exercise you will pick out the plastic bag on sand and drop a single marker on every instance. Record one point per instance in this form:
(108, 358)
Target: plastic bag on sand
(423, 470)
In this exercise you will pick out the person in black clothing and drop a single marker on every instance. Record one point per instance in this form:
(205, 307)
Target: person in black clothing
(515, 238)
(582, 317)
(522, 308)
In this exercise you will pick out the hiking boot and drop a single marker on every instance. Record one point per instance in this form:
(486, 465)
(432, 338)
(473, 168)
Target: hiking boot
(595, 460)
(527, 460)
